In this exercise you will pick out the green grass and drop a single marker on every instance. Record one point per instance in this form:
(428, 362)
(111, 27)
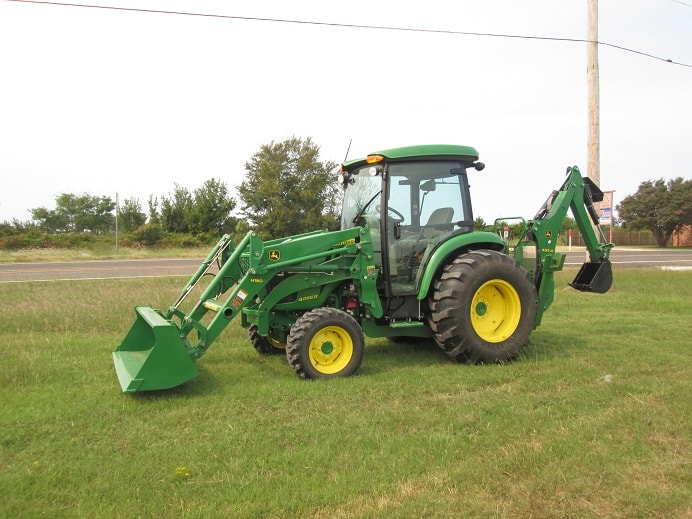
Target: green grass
(593, 421)
(100, 251)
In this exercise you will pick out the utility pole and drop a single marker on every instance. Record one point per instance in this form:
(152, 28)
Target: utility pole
(117, 210)
(593, 145)
(593, 142)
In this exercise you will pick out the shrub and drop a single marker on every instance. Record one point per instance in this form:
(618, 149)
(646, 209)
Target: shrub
(148, 234)
(12, 242)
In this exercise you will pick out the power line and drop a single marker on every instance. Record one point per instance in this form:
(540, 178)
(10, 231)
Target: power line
(355, 26)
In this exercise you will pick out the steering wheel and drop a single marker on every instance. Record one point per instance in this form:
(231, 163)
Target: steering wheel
(399, 217)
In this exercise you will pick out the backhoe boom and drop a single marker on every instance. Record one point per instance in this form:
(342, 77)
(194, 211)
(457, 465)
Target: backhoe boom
(577, 194)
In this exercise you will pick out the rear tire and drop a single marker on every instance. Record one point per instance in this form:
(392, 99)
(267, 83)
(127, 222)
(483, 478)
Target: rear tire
(325, 343)
(483, 308)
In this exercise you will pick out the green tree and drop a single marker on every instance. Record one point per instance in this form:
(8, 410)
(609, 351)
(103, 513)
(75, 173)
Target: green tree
(514, 230)
(154, 216)
(289, 190)
(658, 206)
(567, 224)
(49, 220)
(130, 215)
(98, 214)
(15, 227)
(75, 213)
(175, 210)
(211, 209)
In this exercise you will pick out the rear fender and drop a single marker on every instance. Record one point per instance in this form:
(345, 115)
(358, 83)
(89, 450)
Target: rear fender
(449, 248)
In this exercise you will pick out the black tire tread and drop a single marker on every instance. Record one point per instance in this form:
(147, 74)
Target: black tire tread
(450, 305)
(305, 327)
(261, 343)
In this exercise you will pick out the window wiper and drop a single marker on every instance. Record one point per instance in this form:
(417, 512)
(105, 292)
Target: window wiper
(360, 213)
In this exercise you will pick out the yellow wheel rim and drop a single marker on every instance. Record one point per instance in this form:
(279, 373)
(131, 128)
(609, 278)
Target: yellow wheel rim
(495, 311)
(331, 349)
(276, 343)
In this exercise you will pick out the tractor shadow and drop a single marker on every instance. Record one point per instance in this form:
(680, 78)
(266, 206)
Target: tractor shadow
(203, 385)
(387, 355)
(547, 346)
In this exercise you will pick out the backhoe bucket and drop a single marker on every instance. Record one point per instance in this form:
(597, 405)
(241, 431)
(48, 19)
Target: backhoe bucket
(152, 356)
(596, 276)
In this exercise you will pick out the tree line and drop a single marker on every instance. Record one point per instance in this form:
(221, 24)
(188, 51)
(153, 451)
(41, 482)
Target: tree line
(287, 190)
(659, 206)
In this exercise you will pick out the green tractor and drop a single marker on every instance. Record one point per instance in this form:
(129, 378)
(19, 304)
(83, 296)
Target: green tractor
(406, 263)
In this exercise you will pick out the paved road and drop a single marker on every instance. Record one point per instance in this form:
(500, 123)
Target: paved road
(100, 269)
(109, 269)
(638, 258)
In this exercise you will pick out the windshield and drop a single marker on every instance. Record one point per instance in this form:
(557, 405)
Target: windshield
(363, 196)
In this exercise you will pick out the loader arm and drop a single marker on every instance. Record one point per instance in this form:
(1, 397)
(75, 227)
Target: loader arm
(309, 254)
(159, 351)
(577, 194)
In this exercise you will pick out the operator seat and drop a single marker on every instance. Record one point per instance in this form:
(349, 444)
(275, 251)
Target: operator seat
(440, 220)
(410, 251)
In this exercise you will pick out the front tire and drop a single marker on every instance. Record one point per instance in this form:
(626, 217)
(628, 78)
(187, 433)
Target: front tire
(265, 345)
(325, 343)
(483, 308)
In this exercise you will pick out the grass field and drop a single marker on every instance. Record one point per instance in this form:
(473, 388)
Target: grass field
(593, 421)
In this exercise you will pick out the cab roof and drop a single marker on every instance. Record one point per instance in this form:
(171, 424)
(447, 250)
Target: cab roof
(465, 154)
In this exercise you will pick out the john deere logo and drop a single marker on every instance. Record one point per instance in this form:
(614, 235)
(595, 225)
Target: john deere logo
(548, 234)
(274, 255)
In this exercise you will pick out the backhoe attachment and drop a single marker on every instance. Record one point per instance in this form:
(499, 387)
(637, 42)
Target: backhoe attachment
(537, 247)
(594, 276)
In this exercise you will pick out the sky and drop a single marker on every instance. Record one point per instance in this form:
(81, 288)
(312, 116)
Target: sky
(108, 102)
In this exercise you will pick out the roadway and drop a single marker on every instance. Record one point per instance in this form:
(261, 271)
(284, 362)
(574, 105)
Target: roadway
(638, 258)
(97, 269)
(137, 268)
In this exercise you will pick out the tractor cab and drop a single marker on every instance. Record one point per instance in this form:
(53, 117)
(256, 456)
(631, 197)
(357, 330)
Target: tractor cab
(412, 199)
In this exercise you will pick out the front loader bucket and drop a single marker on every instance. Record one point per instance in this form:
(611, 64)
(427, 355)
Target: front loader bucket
(152, 356)
(596, 276)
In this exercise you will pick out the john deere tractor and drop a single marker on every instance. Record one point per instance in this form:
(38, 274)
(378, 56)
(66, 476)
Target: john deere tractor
(406, 263)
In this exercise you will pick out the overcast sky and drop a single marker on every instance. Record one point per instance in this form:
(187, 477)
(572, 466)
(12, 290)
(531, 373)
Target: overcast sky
(102, 102)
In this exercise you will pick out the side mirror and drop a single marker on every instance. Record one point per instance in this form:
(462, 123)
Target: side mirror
(428, 185)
